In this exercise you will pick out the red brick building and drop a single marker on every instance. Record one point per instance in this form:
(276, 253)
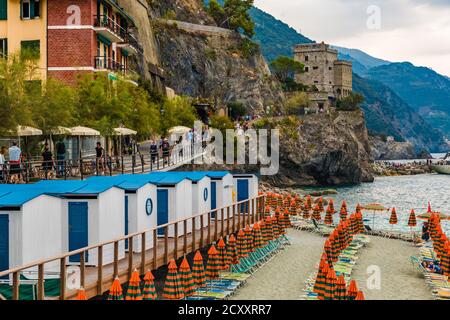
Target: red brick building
(89, 36)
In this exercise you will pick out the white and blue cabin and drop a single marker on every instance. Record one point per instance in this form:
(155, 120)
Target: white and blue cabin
(30, 229)
(139, 206)
(174, 201)
(245, 187)
(221, 191)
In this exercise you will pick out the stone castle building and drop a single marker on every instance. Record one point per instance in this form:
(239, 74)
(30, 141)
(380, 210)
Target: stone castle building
(327, 77)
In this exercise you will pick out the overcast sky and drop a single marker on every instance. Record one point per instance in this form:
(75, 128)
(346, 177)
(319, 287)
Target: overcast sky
(396, 30)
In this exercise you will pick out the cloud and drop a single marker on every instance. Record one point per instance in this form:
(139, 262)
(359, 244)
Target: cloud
(410, 30)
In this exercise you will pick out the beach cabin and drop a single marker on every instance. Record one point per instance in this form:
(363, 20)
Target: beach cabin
(221, 190)
(174, 200)
(92, 214)
(30, 229)
(139, 206)
(245, 186)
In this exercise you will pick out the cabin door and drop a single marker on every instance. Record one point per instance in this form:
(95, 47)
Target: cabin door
(4, 243)
(163, 209)
(126, 221)
(242, 193)
(213, 199)
(78, 228)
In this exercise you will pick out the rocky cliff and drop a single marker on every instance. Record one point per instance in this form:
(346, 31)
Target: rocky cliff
(383, 149)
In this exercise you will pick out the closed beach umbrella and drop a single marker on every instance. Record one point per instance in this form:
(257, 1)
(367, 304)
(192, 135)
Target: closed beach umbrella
(267, 211)
(412, 222)
(262, 226)
(249, 239)
(222, 252)
(275, 227)
(81, 295)
(241, 243)
(352, 290)
(308, 202)
(360, 296)
(115, 292)
(149, 291)
(198, 270)
(328, 251)
(134, 287)
(173, 289)
(213, 264)
(257, 237)
(320, 204)
(320, 279)
(343, 212)
(187, 280)
(331, 206)
(306, 213)
(341, 288)
(322, 282)
(393, 219)
(232, 251)
(330, 285)
(329, 216)
(316, 213)
(445, 259)
(269, 229)
(358, 208)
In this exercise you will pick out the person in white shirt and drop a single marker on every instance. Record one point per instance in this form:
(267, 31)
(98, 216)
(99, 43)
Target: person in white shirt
(14, 159)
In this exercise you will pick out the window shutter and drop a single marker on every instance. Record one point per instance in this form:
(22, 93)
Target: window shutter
(31, 9)
(21, 9)
(3, 9)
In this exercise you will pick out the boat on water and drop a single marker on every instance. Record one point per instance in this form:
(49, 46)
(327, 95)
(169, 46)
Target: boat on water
(443, 166)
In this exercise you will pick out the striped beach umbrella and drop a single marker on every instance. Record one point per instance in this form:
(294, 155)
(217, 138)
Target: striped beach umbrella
(306, 212)
(320, 204)
(329, 216)
(232, 251)
(257, 236)
(330, 285)
(222, 250)
(134, 287)
(358, 208)
(173, 289)
(393, 219)
(322, 282)
(341, 288)
(352, 290)
(343, 212)
(331, 206)
(360, 296)
(320, 279)
(115, 292)
(328, 251)
(412, 221)
(81, 295)
(241, 244)
(213, 264)
(262, 226)
(293, 208)
(275, 227)
(186, 278)
(308, 202)
(198, 270)
(249, 239)
(445, 259)
(149, 290)
(316, 213)
(267, 211)
(269, 229)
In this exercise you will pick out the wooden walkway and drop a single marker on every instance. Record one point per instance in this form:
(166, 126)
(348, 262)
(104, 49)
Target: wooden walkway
(97, 279)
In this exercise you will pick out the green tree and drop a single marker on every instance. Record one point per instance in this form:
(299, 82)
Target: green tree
(236, 110)
(350, 103)
(285, 68)
(221, 123)
(298, 101)
(234, 15)
(177, 112)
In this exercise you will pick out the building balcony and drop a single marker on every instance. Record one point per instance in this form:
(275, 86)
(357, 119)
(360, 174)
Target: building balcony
(103, 63)
(131, 45)
(109, 29)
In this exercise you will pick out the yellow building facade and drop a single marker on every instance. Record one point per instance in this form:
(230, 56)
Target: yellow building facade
(23, 24)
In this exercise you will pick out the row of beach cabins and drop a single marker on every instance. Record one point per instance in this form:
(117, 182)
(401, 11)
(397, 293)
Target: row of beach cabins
(42, 220)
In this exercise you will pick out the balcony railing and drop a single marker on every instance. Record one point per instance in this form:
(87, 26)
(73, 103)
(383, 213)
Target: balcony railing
(102, 62)
(103, 21)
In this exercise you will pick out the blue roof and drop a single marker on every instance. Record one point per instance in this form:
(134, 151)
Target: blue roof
(18, 198)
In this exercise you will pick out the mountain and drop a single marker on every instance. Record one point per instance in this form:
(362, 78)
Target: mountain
(360, 57)
(422, 88)
(388, 114)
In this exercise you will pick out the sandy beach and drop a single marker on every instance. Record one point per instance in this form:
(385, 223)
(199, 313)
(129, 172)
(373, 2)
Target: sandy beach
(284, 276)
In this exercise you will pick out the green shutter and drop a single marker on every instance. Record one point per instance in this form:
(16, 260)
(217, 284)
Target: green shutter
(104, 40)
(3, 9)
(31, 9)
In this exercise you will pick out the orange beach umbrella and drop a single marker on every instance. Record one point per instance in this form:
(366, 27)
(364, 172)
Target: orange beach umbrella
(134, 287)
(149, 290)
(81, 295)
(115, 292)
(173, 289)
(213, 264)
(186, 278)
(198, 270)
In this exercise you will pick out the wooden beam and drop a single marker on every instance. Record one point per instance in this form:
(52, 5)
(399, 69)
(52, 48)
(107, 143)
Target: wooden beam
(40, 287)
(62, 278)
(16, 284)
(143, 249)
(100, 271)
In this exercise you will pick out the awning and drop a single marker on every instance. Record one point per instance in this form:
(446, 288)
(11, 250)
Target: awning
(124, 132)
(83, 131)
(25, 131)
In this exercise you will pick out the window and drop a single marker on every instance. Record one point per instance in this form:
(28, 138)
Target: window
(306, 69)
(3, 9)
(306, 58)
(30, 49)
(316, 81)
(30, 9)
(330, 68)
(3, 48)
(315, 68)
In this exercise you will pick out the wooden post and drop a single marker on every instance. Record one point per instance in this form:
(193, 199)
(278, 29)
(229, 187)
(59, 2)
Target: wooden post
(40, 288)
(116, 259)
(100, 271)
(62, 278)
(166, 244)
(228, 220)
(82, 269)
(234, 218)
(185, 237)
(216, 225)
(201, 231)
(239, 216)
(209, 227)
(222, 227)
(155, 248)
(193, 234)
(15, 293)
(143, 249)
(175, 253)
(253, 211)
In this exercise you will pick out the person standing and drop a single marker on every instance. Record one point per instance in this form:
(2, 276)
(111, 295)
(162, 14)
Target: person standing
(60, 157)
(153, 151)
(2, 163)
(165, 147)
(47, 160)
(99, 153)
(14, 161)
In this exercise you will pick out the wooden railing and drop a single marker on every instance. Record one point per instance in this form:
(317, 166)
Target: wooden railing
(96, 280)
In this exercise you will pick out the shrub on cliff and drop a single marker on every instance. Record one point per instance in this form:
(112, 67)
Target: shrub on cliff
(296, 103)
(233, 14)
(350, 103)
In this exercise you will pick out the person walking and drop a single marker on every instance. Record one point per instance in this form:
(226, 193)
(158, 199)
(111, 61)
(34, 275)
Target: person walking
(99, 153)
(165, 147)
(60, 158)
(15, 162)
(47, 161)
(153, 151)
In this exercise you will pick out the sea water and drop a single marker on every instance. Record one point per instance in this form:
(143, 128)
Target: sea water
(402, 192)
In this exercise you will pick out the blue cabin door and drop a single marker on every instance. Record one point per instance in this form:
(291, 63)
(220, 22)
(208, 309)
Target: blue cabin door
(126, 221)
(242, 193)
(78, 228)
(163, 209)
(4, 242)
(213, 199)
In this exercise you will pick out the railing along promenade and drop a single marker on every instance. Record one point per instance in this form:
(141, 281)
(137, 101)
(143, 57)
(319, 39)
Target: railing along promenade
(205, 228)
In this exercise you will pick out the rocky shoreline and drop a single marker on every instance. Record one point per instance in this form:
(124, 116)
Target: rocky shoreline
(387, 169)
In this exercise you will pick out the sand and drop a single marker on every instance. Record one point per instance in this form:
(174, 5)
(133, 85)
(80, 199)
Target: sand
(284, 276)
